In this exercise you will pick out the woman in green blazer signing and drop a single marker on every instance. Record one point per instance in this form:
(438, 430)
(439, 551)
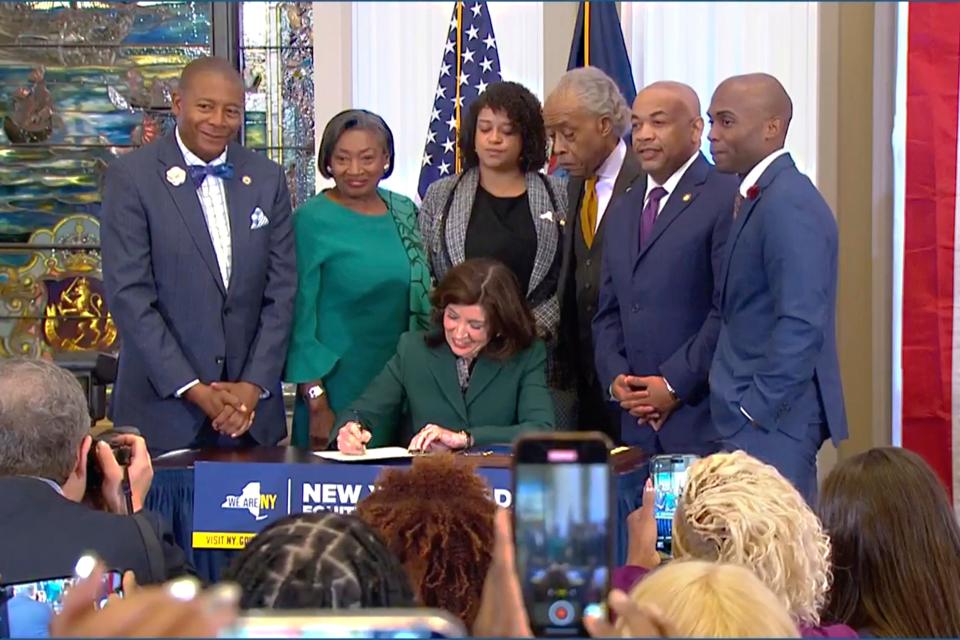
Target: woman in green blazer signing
(477, 378)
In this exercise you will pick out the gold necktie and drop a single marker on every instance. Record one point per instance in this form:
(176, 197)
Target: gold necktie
(588, 211)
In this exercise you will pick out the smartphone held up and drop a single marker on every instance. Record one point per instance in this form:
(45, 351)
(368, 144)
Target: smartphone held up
(563, 528)
(669, 473)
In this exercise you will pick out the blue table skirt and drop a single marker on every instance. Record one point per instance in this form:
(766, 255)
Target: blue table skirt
(172, 497)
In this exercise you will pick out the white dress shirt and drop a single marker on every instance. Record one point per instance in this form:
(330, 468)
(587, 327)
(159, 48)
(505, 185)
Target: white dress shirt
(748, 181)
(755, 173)
(671, 184)
(607, 178)
(50, 483)
(213, 202)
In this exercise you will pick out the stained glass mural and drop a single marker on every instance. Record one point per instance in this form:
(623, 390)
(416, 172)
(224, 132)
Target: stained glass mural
(81, 83)
(276, 59)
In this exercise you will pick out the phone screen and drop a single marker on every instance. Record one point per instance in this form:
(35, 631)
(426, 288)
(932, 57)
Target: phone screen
(317, 629)
(669, 477)
(383, 623)
(562, 532)
(28, 607)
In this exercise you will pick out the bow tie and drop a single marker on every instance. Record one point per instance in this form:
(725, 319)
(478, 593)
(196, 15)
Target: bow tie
(199, 172)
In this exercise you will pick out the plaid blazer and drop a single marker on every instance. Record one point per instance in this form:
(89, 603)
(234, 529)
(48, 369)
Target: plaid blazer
(438, 219)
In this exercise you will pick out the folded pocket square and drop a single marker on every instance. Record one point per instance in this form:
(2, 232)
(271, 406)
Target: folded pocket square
(258, 219)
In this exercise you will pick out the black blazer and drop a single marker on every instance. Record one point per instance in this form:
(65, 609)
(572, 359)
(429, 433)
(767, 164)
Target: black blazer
(43, 534)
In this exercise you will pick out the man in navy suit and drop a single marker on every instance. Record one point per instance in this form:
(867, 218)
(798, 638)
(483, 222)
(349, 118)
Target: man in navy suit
(775, 381)
(657, 322)
(200, 274)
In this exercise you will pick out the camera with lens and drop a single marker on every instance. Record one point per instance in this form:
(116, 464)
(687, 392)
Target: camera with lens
(121, 453)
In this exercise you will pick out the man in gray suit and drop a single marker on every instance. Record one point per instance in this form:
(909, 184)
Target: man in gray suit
(587, 117)
(200, 274)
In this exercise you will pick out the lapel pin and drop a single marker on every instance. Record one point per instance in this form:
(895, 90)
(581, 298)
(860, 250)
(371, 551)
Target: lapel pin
(176, 176)
(686, 197)
(246, 180)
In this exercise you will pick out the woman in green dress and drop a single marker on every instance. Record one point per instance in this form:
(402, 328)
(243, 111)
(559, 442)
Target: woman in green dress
(363, 275)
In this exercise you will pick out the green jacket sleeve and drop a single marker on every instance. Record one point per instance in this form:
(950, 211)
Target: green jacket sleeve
(534, 405)
(307, 357)
(379, 406)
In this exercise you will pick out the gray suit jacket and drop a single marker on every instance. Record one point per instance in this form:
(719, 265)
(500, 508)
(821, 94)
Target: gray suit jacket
(177, 321)
(449, 250)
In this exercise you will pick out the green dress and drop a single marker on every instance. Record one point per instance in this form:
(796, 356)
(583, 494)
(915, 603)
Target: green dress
(362, 281)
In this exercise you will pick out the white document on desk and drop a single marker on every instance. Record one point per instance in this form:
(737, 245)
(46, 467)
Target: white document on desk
(378, 453)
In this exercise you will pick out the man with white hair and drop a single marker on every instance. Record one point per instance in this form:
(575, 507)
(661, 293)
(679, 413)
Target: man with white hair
(586, 118)
(44, 446)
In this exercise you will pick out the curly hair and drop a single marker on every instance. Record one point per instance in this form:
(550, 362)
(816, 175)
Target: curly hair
(737, 509)
(319, 560)
(437, 517)
(524, 111)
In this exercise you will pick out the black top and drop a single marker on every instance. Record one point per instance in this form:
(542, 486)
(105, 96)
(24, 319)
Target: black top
(502, 229)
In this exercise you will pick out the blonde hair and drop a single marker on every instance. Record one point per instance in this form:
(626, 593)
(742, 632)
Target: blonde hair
(713, 600)
(737, 509)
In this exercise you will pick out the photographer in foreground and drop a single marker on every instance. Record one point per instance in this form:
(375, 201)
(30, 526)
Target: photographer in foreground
(45, 455)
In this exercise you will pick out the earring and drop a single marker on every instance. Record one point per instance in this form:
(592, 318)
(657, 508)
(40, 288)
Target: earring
(329, 169)
(386, 167)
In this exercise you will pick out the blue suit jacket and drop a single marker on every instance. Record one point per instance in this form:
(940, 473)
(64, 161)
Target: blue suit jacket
(176, 320)
(659, 306)
(777, 351)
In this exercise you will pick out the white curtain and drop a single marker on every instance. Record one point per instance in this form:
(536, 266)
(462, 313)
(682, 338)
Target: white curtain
(899, 191)
(701, 43)
(397, 48)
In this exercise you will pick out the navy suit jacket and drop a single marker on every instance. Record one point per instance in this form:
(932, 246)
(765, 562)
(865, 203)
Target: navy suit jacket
(777, 351)
(659, 305)
(177, 321)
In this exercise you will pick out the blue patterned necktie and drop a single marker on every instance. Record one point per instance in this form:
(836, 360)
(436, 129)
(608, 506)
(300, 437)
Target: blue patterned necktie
(199, 172)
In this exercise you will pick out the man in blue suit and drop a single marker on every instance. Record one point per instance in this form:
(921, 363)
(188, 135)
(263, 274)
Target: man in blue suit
(775, 381)
(657, 322)
(200, 273)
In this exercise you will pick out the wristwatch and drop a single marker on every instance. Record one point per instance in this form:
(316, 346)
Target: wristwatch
(673, 394)
(314, 391)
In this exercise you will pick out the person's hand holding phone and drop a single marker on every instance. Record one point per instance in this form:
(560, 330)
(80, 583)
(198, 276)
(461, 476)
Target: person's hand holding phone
(642, 532)
(352, 439)
(176, 610)
(502, 613)
(633, 620)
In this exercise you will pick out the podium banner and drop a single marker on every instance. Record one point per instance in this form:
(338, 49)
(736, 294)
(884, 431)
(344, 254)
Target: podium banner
(235, 500)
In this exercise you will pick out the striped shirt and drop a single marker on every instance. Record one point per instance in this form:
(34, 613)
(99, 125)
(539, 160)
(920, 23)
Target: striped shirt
(213, 201)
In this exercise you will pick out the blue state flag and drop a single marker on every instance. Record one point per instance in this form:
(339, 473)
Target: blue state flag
(470, 63)
(598, 42)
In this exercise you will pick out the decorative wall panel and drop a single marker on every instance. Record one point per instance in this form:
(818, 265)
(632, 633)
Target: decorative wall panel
(276, 57)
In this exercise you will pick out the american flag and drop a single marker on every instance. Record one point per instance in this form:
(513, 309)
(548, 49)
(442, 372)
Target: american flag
(470, 63)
